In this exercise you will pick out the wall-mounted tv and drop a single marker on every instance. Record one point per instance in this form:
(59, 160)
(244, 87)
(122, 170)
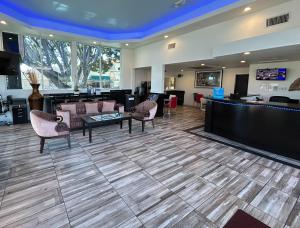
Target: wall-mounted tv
(275, 74)
(9, 63)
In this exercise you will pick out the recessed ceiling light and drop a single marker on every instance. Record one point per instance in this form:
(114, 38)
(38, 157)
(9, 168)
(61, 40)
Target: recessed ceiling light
(247, 9)
(3, 22)
(224, 67)
(243, 61)
(127, 44)
(51, 35)
(202, 64)
(166, 36)
(94, 42)
(247, 53)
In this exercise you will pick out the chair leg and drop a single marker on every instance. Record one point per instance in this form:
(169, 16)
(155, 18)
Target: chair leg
(69, 140)
(42, 143)
(153, 123)
(143, 126)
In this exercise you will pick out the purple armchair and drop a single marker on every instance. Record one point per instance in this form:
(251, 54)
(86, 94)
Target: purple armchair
(49, 126)
(144, 112)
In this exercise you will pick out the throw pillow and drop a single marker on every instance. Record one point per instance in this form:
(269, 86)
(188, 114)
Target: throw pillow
(108, 106)
(69, 107)
(91, 108)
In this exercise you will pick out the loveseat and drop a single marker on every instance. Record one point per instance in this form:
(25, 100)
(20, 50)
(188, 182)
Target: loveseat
(72, 112)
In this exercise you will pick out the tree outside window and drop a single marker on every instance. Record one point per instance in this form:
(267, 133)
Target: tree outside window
(97, 66)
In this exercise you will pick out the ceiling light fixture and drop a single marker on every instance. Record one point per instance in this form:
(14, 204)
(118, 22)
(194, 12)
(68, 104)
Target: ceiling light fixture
(243, 61)
(181, 70)
(247, 53)
(202, 64)
(3, 22)
(10, 38)
(166, 36)
(126, 44)
(247, 9)
(94, 42)
(224, 67)
(51, 35)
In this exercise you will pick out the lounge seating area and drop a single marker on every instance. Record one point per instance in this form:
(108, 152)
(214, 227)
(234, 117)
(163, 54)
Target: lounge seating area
(181, 114)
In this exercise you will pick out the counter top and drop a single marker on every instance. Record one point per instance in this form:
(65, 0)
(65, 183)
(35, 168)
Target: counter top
(263, 103)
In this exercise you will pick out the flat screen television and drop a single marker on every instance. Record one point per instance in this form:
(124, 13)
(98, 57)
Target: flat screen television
(9, 63)
(275, 74)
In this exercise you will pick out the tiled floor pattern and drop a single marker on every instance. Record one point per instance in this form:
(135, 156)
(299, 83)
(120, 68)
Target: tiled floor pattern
(163, 177)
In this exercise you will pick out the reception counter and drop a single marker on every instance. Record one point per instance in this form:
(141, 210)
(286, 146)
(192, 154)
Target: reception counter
(273, 127)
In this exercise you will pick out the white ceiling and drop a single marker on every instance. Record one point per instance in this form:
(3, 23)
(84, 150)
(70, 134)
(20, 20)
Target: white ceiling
(282, 54)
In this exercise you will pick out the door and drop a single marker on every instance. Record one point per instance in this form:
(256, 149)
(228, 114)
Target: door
(241, 84)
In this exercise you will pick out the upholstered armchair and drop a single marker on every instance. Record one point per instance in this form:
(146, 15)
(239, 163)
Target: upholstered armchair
(144, 112)
(49, 126)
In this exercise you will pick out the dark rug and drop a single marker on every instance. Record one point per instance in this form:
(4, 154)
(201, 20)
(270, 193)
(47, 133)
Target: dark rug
(242, 220)
(199, 131)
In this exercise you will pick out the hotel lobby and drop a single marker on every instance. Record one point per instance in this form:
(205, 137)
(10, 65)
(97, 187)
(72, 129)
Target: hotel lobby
(176, 113)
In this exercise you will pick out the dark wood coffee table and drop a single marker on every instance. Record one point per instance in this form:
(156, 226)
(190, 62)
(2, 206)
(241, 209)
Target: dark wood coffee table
(89, 122)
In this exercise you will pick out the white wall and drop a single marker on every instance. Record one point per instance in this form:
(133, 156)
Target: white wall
(186, 83)
(222, 39)
(293, 72)
(127, 71)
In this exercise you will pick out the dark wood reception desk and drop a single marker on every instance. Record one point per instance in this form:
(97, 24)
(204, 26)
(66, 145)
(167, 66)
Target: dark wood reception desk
(273, 127)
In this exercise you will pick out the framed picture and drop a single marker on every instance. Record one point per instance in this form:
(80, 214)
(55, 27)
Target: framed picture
(208, 79)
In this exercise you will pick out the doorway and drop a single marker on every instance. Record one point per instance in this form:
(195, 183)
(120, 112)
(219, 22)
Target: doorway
(241, 84)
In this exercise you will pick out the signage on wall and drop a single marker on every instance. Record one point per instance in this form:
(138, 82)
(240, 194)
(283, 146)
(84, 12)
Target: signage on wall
(171, 45)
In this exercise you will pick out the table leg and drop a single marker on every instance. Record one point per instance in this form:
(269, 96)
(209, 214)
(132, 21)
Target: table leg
(90, 134)
(129, 125)
(121, 124)
(83, 129)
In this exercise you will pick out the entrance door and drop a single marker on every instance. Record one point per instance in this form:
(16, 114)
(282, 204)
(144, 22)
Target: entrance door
(241, 84)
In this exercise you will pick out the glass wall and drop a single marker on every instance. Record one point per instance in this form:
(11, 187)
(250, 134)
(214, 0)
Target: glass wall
(110, 67)
(97, 66)
(88, 66)
(51, 59)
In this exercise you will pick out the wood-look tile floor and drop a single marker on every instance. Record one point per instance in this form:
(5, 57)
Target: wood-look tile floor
(164, 177)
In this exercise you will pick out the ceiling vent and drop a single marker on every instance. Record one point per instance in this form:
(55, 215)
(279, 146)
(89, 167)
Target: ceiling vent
(278, 20)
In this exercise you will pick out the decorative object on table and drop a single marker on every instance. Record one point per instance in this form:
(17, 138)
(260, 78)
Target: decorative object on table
(208, 79)
(295, 86)
(36, 100)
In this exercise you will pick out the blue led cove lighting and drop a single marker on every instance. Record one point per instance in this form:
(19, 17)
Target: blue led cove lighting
(184, 14)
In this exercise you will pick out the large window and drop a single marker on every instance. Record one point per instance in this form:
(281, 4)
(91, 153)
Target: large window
(88, 66)
(110, 67)
(97, 66)
(51, 59)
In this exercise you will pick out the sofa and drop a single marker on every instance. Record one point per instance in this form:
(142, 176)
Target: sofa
(72, 112)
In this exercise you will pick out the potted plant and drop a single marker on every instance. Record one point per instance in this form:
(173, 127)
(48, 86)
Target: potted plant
(36, 100)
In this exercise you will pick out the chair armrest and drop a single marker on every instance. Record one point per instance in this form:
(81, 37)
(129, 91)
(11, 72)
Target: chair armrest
(119, 108)
(152, 112)
(66, 116)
